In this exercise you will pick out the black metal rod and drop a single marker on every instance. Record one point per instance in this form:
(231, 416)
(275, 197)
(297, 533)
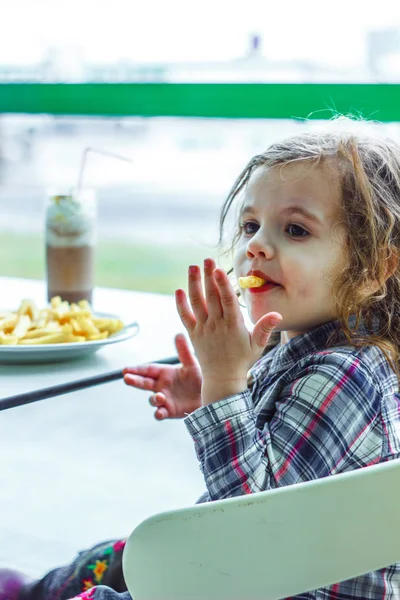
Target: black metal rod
(72, 386)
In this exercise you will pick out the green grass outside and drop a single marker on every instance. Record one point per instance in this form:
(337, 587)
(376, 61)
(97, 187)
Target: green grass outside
(119, 264)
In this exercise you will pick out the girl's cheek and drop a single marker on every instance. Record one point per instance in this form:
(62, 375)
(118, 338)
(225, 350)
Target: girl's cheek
(301, 281)
(305, 292)
(310, 285)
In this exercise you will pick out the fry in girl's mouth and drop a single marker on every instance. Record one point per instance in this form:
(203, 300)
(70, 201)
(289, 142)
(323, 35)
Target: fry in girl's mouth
(251, 281)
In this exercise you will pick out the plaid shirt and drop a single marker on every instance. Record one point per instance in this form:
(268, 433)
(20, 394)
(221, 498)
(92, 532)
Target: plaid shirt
(313, 408)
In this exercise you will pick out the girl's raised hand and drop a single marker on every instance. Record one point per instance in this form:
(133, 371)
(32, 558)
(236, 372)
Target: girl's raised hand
(176, 390)
(224, 347)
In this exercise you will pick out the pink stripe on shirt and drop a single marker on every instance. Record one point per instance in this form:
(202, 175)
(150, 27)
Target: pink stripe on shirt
(235, 462)
(319, 414)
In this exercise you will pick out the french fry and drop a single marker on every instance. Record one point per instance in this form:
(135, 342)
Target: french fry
(251, 281)
(60, 311)
(8, 323)
(37, 333)
(98, 336)
(76, 328)
(110, 325)
(86, 325)
(67, 328)
(76, 338)
(6, 339)
(22, 326)
(65, 317)
(43, 317)
(55, 302)
(84, 305)
(28, 307)
(50, 338)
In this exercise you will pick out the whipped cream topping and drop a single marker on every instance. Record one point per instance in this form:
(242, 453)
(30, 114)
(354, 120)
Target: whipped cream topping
(71, 221)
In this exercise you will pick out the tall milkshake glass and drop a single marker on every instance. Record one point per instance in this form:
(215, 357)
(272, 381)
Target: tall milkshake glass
(70, 225)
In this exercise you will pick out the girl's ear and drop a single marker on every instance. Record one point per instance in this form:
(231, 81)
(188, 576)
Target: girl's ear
(392, 261)
(391, 264)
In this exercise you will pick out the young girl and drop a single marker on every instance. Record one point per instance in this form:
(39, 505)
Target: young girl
(312, 390)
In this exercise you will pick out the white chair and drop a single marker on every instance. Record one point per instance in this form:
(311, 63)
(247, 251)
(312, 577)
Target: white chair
(269, 545)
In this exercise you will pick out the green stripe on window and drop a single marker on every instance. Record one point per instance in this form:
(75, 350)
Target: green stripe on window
(379, 102)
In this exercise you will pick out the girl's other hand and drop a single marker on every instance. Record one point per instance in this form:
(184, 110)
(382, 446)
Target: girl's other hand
(176, 388)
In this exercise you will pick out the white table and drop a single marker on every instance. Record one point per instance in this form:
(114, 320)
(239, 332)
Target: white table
(89, 465)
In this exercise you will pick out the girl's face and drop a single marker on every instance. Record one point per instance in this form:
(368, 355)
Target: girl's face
(288, 237)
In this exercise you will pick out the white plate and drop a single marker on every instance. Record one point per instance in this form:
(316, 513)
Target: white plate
(45, 353)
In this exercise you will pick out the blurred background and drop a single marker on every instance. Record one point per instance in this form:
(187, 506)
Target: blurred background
(160, 213)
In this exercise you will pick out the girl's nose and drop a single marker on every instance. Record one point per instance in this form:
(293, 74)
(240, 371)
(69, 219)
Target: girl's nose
(257, 247)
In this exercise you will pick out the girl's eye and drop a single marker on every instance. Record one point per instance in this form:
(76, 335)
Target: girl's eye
(249, 227)
(296, 231)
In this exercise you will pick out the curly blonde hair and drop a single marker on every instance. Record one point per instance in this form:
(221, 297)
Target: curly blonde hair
(369, 173)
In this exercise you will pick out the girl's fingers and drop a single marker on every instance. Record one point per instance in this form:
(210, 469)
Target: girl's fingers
(187, 317)
(196, 295)
(185, 355)
(143, 383)
(160, 402)
(228, 299)
(151, 370)
(161, 414)
(212, 292)
(264, 327)
(157, 399)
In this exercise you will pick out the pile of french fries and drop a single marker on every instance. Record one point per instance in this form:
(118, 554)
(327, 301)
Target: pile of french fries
(59, 323)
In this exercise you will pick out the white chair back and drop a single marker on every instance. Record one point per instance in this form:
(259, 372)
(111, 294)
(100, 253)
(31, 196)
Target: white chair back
(272, 544)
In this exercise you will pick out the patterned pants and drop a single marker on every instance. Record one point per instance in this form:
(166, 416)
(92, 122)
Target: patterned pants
(99, 566)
